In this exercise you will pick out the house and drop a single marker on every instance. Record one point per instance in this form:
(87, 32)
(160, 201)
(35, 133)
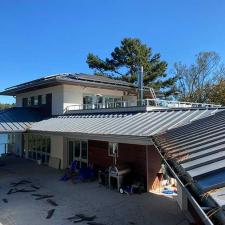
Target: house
(94, 120)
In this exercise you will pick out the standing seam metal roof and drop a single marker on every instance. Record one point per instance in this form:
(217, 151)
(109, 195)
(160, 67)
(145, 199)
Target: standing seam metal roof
(198, 151)
(142, 124)
(18, 119)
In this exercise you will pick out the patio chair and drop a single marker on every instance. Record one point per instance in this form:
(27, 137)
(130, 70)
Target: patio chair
(70, 173)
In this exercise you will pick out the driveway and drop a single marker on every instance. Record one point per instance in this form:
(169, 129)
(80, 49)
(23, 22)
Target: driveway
(110, 207)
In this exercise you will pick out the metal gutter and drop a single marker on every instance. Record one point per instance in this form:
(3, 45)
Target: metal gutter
(128, 139)
(205, 219)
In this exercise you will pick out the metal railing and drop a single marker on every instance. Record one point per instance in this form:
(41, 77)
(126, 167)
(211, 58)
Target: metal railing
(157, 103)
(108, 105)
(177, 104)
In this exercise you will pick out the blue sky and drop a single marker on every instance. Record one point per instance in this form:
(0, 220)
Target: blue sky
(44, 37)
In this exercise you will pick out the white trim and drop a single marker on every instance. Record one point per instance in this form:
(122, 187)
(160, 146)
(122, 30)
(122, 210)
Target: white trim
(117, 153)
(101, 137)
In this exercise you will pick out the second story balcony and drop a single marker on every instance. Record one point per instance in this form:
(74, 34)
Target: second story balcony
(145, 105)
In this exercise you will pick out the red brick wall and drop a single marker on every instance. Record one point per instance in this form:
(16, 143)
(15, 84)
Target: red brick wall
(135, 157)
(98, 154)
(132, 155)
(154, 165)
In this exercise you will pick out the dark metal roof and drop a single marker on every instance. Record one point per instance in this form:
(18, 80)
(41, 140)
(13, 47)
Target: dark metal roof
(74, 79)
(197, 151)
(141, 124)
(18, 119)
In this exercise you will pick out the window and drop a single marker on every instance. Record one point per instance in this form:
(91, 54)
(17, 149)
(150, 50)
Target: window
(35, 100)
(43, 99)
(39, 99)
(113, 149)
(78, 150)
(29, 101)
(11, 139)
(88, 102)
(32, 101)
(38, 147)
(84, 149)
(112, 102)
(25, 102)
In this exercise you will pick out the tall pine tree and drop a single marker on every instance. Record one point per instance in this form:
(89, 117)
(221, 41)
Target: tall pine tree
(125, 61)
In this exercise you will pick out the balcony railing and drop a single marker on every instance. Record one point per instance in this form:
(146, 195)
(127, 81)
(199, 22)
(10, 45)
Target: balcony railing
(154, 103)
(177, 104)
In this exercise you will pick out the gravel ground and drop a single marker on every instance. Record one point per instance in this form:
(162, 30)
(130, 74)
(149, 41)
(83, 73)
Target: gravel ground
(110, 207)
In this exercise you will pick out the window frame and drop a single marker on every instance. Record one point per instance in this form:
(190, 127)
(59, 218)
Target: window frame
(114, 145)
(36, 145)
(79, 159)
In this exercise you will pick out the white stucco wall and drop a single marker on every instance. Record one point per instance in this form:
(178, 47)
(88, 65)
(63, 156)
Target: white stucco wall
(74, 94)
(57, 148)
(57, 97)
(66, 95)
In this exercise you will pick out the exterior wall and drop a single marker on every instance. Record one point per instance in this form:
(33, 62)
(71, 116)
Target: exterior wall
(132, 155)
(57, 98)
(74, 94)
(66, 95)
(153, 167)
(144, 161)
(57, 148)
(95, 91)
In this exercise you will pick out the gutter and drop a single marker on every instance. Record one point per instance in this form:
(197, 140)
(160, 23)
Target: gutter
(205, 219)
(139, 140)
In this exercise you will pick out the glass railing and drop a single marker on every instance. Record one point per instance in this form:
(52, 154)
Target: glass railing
(176, 104)
(155, 103)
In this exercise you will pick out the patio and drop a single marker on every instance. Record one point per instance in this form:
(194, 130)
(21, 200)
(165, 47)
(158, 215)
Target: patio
(109, 206)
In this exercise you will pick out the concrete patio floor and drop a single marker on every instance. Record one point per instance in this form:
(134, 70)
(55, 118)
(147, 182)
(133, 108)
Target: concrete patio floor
(110, 207)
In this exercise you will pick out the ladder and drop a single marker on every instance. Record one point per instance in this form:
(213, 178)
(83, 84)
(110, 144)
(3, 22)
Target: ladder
(152, 92)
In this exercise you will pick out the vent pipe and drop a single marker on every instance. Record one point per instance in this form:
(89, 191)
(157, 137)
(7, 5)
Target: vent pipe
(140, 84)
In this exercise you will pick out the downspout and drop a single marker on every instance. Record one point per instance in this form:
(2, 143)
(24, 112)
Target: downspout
(205, 219)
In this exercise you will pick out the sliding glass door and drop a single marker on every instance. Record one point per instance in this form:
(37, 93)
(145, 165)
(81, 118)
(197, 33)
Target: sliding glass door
(78, 150)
